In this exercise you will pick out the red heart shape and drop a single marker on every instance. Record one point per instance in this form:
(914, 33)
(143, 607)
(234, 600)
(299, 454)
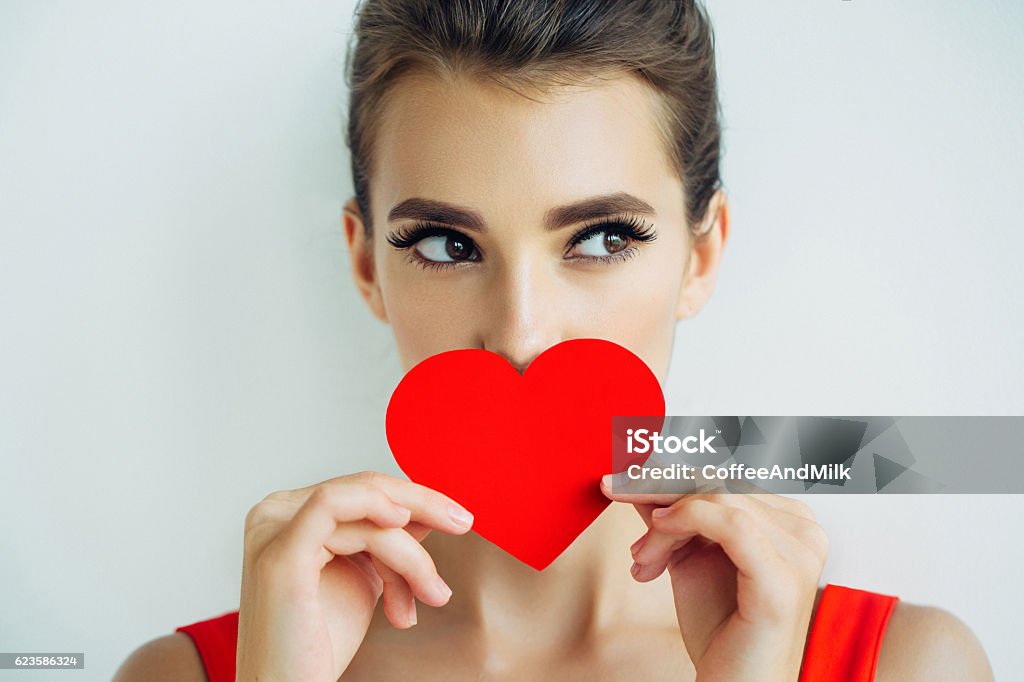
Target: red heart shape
(524, 453)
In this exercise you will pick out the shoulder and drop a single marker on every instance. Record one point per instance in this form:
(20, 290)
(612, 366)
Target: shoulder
(171, 658)
(927, 643)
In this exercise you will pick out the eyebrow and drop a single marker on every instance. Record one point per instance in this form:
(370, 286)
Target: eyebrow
(580, 211)
(437, 212)
(596, 207)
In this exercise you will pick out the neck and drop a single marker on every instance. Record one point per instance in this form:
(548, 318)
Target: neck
(582, 592)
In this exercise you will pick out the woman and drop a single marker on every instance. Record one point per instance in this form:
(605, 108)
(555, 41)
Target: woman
(526, 173)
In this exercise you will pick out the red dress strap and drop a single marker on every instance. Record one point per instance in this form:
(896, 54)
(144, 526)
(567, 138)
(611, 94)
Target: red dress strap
(846, 635)
(217, 640)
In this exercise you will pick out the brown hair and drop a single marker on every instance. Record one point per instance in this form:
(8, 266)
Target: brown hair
(668, 44)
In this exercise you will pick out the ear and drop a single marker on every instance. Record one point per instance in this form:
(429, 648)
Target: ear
(705, 255)
(360, 250)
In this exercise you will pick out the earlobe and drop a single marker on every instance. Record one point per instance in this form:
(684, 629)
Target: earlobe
(360, 249)
(705, 255)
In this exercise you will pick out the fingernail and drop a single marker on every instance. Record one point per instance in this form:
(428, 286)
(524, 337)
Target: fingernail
(661, 511)
(607, 480)
(635, 569)
(442, 589)
(459, 516)
(412, 613)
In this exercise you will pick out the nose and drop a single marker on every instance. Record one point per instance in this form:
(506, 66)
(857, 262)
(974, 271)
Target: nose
(522, 318)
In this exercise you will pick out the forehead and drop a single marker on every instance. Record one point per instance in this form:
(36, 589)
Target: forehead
(475, 143)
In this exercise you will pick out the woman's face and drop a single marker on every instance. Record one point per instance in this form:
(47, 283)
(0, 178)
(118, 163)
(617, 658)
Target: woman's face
(511, 224)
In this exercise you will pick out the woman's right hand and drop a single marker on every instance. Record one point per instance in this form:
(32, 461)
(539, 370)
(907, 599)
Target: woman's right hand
(317, 559)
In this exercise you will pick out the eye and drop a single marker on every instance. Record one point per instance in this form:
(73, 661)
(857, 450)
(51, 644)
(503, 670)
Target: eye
(600, 244)
(445, 248)
(435, 245)
(610, 240)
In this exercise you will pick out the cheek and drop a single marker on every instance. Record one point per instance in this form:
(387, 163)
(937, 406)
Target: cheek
(638, 313)
(426, 326)
(428, 314)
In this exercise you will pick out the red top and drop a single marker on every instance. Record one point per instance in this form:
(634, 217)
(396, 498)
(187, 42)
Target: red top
(843, 644)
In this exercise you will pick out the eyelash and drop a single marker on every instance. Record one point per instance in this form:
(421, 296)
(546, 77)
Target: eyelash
(632, 227)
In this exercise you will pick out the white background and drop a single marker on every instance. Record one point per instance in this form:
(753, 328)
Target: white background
(179, 335)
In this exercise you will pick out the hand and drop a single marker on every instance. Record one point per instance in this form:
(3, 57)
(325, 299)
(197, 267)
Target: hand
(744, 571)
(317, 559)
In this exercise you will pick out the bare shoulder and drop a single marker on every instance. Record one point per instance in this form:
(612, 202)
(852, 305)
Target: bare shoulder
(928, 643)
(171, 658)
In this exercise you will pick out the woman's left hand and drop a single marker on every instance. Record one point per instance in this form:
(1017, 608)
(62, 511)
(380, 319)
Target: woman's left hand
(744, 569)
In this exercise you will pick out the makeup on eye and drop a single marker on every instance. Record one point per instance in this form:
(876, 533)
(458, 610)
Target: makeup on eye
(435, 244)
(615, 235)
(608, 239)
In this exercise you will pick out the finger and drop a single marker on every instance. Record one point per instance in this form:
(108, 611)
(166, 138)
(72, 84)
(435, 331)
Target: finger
(326, 509)
(792, 517)
(364, 562)
(790, 528)
(655, 549)
(428, 506)
(664, 542)
(750, 488)
(350, 504)
(781, 527)
(739, 531)
(645, 510)
(656, 545)
(399, 603)
(620, 490)
(354, 497)
(678, 552)
(397, 550)
(418, 530)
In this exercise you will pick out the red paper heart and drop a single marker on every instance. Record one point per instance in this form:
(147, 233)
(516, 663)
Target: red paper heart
(524, 453)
